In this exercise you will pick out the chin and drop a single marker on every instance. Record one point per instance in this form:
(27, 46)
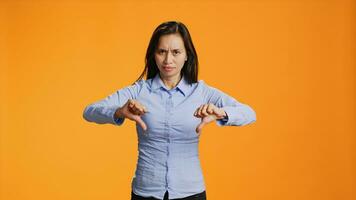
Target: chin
(169, 74)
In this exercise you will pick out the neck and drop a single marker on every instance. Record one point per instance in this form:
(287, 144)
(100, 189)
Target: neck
(171, 82)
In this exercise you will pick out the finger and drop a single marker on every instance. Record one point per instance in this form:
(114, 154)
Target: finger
(139, 110)
(196, 112)
(199, 111)
(141, 123)
(144, 109)
(131, 103)
(219, 112)
(210, 108)
(134, 111)
(203, 111)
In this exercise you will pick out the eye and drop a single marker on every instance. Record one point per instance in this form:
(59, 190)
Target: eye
(176, 52)
(161, 51)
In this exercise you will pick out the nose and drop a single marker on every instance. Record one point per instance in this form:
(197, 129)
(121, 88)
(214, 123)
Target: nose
(168, 58)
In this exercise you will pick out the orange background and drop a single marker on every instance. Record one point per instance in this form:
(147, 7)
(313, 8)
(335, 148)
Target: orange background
(292, 61)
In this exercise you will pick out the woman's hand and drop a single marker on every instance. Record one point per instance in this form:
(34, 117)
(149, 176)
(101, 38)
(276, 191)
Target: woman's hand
(132, 110)
(208, 113)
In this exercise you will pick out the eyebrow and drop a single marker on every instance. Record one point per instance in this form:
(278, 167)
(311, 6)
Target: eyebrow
(166, 50)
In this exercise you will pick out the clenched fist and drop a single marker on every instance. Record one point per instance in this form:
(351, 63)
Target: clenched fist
(208, 113)
(132, 110)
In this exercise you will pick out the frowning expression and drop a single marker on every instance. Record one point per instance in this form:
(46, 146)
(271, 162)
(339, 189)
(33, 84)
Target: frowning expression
(170, 55)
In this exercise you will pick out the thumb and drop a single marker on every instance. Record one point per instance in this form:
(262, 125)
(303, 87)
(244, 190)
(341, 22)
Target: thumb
(141, 123)
(205, 120)
(200, 127)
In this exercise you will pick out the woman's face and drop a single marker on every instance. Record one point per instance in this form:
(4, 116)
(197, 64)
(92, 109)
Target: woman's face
(170, 55)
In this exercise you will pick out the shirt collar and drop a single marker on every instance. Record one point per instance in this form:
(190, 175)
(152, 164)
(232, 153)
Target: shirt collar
(182, 86)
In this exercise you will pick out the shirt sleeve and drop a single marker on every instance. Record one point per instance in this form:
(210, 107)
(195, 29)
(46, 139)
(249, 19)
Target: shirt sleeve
(102, 111)
(238, 114)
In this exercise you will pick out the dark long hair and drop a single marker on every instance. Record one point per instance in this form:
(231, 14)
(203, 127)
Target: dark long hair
(190, 67)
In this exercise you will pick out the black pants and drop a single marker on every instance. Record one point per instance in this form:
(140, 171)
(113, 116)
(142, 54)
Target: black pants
(199, 196)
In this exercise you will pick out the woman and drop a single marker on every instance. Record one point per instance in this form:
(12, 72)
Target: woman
(170, 109)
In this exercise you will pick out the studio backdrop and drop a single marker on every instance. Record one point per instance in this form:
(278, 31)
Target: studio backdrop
(292, 61)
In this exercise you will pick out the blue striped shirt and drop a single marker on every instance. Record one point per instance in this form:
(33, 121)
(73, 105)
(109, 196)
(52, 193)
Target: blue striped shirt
(168, 157)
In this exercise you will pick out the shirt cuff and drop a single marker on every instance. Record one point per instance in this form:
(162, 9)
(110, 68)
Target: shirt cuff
(234, 117)
(116, 121)
(223, 121)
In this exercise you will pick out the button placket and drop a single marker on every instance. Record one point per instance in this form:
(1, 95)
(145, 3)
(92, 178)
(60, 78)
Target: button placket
(169, 105)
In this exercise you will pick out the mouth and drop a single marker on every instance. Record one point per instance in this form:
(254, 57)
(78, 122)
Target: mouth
(168, 68)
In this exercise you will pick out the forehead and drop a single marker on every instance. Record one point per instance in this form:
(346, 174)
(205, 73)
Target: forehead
(171, 41)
